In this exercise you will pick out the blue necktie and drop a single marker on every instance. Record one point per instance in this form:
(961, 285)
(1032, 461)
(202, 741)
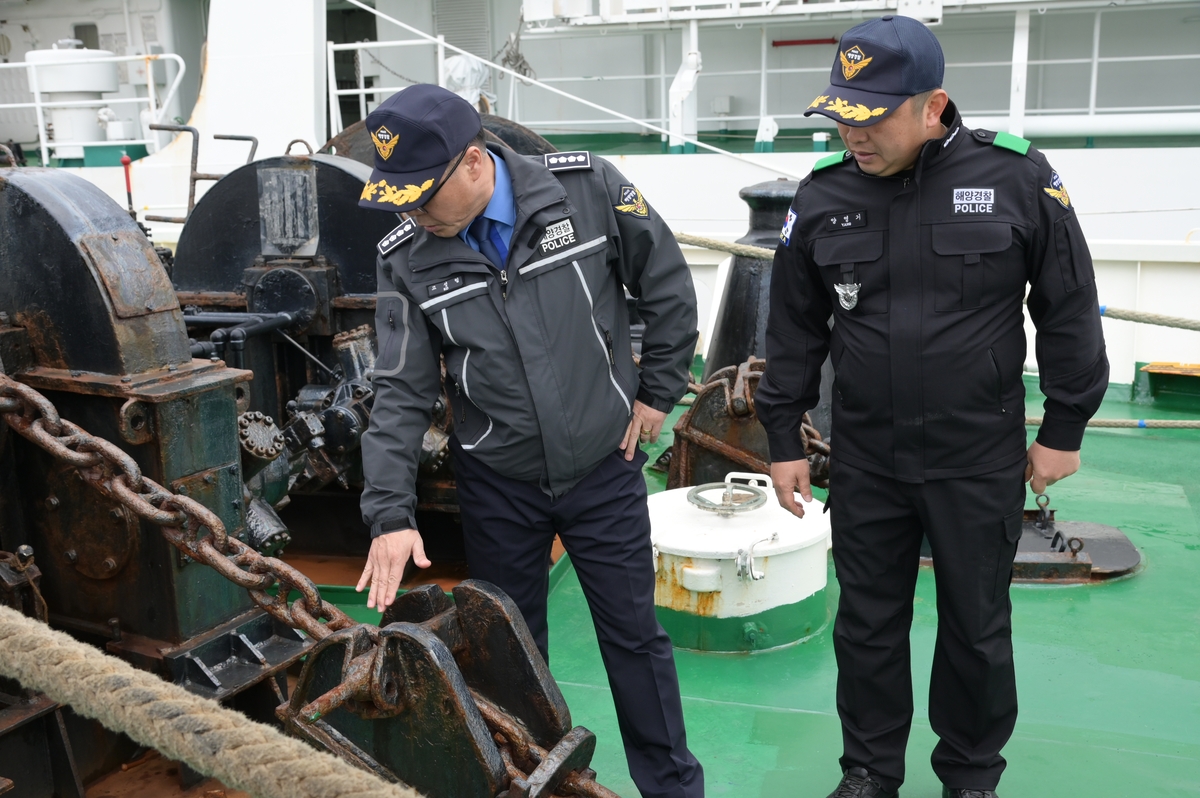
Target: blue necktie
(491, 243)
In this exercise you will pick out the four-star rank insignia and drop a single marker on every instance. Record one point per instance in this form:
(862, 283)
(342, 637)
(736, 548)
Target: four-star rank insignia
(1057, 190)
(854, 61)
(385, 142)
(632, 203)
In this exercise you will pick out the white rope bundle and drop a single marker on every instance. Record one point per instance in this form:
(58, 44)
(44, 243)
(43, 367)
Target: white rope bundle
(208, 737)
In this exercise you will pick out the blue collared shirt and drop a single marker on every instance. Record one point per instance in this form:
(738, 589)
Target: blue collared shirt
(502, 209)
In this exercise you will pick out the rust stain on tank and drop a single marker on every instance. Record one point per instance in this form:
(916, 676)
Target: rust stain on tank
(670, 593)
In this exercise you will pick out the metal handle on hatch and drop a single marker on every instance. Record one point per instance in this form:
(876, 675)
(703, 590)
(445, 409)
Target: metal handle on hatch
(727, 507)
(745, 559)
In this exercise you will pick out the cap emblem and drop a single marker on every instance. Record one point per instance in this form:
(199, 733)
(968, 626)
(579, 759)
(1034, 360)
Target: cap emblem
(395, 195)
(854, 61)
(857, 113)
(385, 142)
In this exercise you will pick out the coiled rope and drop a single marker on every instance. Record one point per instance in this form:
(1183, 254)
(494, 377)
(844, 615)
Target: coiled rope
(762, 253)
(211, 739)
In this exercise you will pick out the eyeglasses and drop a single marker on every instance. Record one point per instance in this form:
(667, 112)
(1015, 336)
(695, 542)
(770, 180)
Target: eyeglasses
(421, 208)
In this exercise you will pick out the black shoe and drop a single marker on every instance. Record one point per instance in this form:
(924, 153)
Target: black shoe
(949, 793)
(857, 783)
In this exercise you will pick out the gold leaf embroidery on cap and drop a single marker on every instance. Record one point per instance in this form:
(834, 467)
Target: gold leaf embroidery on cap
(818, 101)
(369, 190)
(385, 142)
(854, 61)
(858, 113)
(402, 196)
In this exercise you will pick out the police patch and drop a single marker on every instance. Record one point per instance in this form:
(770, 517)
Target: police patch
(632, 203)
(557, 236)
(844, 221)
(1057, 190)
(785, 235)
(974, 200)
(397, 237)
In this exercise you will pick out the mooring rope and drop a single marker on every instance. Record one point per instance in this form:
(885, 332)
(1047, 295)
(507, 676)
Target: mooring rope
(208, 737)
(762, 253)
(1129, 423)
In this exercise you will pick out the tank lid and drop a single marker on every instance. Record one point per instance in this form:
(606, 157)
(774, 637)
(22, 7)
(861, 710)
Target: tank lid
(680, 527)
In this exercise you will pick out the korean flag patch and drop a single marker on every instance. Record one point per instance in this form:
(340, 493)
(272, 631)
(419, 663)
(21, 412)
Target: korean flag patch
(785, 235)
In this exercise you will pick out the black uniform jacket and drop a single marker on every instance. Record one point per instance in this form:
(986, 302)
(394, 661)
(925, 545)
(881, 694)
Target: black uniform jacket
(928, 361)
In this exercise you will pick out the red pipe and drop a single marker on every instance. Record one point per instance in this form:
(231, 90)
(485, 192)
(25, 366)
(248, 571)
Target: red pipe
(795, 42)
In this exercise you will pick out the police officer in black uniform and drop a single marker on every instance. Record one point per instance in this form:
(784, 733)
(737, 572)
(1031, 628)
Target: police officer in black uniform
(511, 271)
(920, 241)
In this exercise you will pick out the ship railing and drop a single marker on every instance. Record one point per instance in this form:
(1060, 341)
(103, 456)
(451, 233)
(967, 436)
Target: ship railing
(361, 91)
(40, 104)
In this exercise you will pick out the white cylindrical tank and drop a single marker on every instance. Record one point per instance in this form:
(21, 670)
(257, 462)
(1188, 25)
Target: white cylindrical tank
(734, 571)
(61, 78)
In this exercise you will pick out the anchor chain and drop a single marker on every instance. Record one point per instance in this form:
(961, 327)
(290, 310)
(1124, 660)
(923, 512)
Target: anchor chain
(184, 521)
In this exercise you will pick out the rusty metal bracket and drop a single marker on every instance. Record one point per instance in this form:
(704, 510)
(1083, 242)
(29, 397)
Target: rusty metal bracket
(721, 432)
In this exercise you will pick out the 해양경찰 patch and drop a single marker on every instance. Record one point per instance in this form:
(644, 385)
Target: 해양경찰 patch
(974, 200)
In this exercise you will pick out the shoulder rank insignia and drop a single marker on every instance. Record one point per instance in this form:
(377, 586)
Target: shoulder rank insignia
(632, 203)
(397, 237)
(568, 161)
(1010, 142)
(1057, 190)
(831, 160)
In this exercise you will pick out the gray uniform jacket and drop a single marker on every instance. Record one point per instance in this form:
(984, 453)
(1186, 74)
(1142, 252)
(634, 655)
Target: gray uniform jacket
(538, 359)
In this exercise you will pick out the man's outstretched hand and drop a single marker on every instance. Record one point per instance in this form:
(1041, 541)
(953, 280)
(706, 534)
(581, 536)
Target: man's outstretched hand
(1047, 466)
(385, 565)
(789, 478)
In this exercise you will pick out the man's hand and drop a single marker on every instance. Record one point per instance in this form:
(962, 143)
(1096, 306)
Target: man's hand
(788, 478)
(385, 565)
(645, 425)
(1047, 466)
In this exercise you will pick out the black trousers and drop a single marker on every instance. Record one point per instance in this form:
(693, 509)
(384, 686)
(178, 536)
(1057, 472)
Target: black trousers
(973, 525)
(509, 527)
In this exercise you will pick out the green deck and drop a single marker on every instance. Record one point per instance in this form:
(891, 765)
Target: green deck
(1109, 675)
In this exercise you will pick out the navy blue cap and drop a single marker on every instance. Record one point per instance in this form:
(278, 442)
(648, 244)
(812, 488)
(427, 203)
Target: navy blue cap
(880, 64)
(416, 133)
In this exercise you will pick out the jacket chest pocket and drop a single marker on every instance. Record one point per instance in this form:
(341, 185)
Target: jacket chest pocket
(458, 305)
(853, 268)
(970, 267)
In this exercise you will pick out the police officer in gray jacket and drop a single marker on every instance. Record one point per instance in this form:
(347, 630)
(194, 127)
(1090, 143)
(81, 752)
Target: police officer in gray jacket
(920, 242)
(514, 270)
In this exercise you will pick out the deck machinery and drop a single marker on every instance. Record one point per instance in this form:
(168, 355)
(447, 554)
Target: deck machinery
(243, 385)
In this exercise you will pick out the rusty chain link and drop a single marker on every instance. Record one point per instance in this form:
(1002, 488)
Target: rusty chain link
(183, 520)
(116, 475)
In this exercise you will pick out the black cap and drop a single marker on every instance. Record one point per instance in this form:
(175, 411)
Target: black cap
(416, 133)
(880, 64)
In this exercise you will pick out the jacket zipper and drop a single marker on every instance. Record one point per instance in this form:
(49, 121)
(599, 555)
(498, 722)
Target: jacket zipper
(504, 284)
(612, 359)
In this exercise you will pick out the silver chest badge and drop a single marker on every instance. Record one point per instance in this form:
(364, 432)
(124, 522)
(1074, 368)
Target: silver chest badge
(848, 294)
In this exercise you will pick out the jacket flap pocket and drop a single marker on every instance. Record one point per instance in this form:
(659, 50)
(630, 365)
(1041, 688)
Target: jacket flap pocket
(450, 291)
(971, 238)
(853, 248)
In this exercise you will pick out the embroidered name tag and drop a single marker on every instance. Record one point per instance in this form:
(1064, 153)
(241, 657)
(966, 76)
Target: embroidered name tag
(557, 236)
(974, 200)
(844, 221)
(445, 286)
